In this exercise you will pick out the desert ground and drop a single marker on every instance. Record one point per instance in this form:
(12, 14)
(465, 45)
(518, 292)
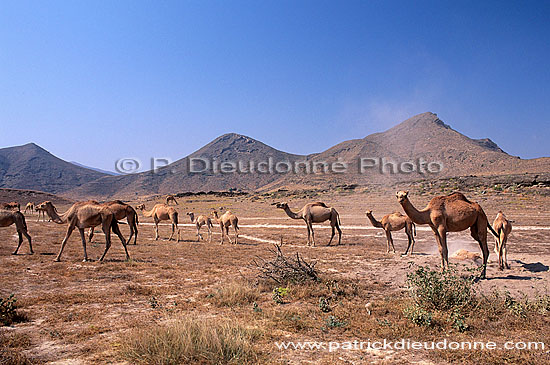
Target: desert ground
(90, 312)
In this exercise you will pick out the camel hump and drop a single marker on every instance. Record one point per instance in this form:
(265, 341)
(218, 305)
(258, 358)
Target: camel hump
(458, 196)
(319, 204)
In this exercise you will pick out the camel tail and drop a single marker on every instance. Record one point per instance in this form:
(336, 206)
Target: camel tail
(492, 230)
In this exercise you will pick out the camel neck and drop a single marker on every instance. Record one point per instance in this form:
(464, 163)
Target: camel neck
(417, 216)
(373, 221)
(291, 214)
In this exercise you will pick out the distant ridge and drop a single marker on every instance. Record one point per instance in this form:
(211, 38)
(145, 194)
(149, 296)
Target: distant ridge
(423, 136)
(31, 167)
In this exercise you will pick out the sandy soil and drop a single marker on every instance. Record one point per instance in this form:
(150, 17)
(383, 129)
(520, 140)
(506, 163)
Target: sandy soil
(79, 312)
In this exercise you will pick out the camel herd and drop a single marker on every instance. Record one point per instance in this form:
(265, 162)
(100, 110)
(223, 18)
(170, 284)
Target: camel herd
(450, 213)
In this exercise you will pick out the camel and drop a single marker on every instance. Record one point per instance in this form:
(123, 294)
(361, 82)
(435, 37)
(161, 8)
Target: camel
(225, 221)
(451, 213)
(200, 221)
(29, 207)
(11, 206)
(163, 212)
(503, 227)
(84, 215)
(41, 211)
(170, 198)
(395, 222)
(7, 218)
(315, 213)
(121, 211)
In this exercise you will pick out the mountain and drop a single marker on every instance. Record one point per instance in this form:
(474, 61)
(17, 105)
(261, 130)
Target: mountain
(423, 137)
(95, 169)
(31, 167)
(181, 175)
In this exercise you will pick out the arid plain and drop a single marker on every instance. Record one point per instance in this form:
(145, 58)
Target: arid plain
(95, 312)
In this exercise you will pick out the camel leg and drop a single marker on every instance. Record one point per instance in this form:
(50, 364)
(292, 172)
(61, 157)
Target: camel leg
(505, 253)
(221, 228)
(236, 236)
(227, 234)
(83, 238)
(178, 233)
(390, 241)
(440, 246)
(312, 234)
(70, 230)
(444, 249)
(116, 229)
(156, 229)
(172, 234)
(199, 237)
(339, 234)
(209, 234)
(479, 233)
(331, 237)
(19, 244)
(409, 238)
(28, 237)
(107, 230)
(308, 234)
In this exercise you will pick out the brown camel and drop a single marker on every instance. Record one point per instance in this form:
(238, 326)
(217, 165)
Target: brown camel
(29, 207)
(171, 198)
(200, 221)
(121, 211)
(11, 206)
(503, 227)
(225, 221)
(140, 206)
(451, 213)
(315, 213)
(7, 218)
(84, 215)
(163, 212)
(395, 222)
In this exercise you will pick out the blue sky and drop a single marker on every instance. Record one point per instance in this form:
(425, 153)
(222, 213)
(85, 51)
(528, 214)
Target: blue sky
(99, 80)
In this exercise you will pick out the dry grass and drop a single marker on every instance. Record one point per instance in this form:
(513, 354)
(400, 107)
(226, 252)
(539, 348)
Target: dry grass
(235, 293)
(11, 346)
(187, 340)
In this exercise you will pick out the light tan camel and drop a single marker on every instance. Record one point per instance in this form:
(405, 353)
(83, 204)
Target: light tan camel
(7, 218)
(29, 207)
(450, 213)
(11, 206)
(200, 221)
(41, 211)
(84, 215)
(163, 212)
(315, 213)
(395, 222)
(225, 221)
(171, 198)
(503, 227)
(121, 211)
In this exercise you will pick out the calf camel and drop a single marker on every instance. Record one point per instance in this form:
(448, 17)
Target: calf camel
(395, 222)
(11, 206)
(503, 227)
(451, 213)
(163, 212)
(29, 207)
(315, 213)
(200, 221)
(225, 221)
(171, 198)
(7, 218)
(84, 215)
(121, 211)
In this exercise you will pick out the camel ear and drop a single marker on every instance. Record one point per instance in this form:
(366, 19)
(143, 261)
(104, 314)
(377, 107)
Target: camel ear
(407, 193)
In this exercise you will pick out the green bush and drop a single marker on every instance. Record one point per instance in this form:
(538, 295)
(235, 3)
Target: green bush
(418, 315)
(8, 311)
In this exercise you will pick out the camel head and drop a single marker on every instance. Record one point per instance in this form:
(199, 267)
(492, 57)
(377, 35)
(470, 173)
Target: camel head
(45, 204)
(214, 213)
(401, 196)
(368, 212)
(140, 207)
(281, 205)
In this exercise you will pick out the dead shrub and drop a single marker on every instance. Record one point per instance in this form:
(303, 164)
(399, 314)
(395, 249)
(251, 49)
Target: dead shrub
(235, 293)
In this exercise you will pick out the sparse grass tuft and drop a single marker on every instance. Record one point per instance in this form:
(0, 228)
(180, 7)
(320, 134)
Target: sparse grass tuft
(235, 293)
(188, 340)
